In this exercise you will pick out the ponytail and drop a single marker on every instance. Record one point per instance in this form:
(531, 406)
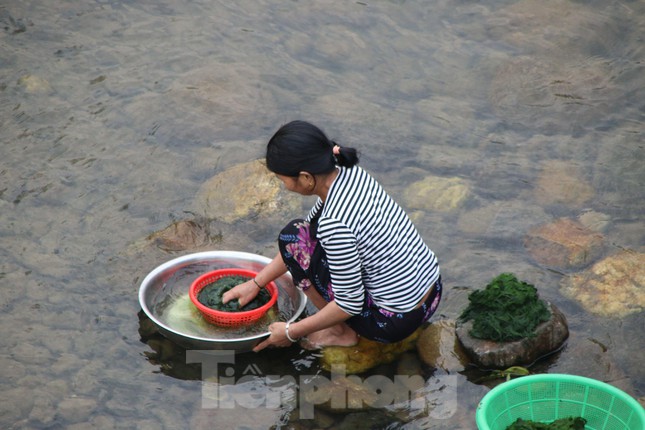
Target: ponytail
(345, 156)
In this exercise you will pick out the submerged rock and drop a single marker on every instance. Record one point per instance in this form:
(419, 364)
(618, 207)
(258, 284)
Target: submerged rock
(76, 409)
(613, 287)
(591, 358)
(561, 183)
(181, 235)
(16, 404)
(226, 90)
(375, 419)
(556, 27)
(35, 84)
(435, 193)
(242, 191)
(551, 96)
(366, 354)
(341, 394)
(409, 364)
(596, 221)
(439, 348)
(549, 336)
(376, 394)
(564, 243)
(502, 220)
(562, 84)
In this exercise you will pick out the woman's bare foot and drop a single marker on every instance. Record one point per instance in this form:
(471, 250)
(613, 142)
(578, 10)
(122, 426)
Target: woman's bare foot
(338, 335)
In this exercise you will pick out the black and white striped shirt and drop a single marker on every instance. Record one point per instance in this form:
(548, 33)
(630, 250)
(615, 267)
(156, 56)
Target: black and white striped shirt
(372, 245)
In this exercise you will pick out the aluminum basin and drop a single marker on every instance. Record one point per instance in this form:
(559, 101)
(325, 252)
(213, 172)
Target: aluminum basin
(167, 285)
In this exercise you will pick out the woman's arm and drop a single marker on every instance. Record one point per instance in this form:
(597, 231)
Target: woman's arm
(327, 317)
(247, 291)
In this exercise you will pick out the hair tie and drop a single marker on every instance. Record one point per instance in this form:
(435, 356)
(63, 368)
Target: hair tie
(336, 150)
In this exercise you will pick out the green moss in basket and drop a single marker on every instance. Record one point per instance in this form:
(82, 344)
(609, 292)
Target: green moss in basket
(211, 295)
(569, 423)
(506, 310)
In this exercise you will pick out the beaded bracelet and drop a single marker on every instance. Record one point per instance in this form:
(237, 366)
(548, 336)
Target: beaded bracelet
(256, 283)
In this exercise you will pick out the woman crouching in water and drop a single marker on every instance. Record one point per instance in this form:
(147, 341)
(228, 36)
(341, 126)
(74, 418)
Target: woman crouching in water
(357, 256)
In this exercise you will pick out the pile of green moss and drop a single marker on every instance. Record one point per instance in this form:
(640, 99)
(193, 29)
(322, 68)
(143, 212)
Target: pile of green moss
(506, 310)
(211, 295)
(570, 423)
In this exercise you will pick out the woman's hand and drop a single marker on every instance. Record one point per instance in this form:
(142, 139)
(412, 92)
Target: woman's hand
(247, 291)
(243, 292)
(277, 337)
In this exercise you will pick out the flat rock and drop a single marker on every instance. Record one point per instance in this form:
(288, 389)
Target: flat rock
(562, 183)
(596, 221)
(435, 193)
(565, 244)
(613, 287)
(366, 354)
(550, 335)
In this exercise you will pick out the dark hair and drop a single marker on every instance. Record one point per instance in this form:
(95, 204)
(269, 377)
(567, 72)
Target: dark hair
(302, 147)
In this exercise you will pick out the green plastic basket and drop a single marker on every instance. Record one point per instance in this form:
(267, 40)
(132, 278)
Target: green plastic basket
(547, 397)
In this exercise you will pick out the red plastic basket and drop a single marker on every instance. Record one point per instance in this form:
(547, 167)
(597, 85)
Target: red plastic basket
(229, 319)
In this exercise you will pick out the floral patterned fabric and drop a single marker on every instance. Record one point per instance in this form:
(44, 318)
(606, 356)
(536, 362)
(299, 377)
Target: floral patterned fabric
(305, 258)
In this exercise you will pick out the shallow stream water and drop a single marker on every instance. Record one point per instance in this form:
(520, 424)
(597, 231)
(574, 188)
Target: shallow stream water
(114, 112)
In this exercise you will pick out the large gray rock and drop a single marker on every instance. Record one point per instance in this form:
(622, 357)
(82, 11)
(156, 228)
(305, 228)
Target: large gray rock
(550, 335)
(245, 190)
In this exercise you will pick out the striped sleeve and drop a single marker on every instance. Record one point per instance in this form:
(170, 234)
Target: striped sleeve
(341, 248)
